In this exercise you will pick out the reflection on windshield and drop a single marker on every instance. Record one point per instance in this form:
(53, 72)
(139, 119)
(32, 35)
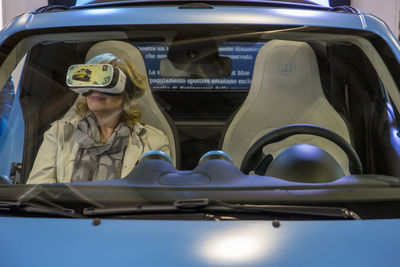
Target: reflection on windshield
(6, 100)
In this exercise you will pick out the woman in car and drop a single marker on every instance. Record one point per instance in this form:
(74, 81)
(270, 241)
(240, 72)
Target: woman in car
(103, 139)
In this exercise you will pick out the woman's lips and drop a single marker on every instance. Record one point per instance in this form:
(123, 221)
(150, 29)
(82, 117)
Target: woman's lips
(97, 97)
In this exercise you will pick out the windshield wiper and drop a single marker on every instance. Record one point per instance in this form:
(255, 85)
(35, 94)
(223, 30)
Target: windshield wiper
(204, 205)
(35, 208)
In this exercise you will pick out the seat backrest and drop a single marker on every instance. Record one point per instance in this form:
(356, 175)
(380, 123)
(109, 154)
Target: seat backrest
(151, 113)
(286, 89)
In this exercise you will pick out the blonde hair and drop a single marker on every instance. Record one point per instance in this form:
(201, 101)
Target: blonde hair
(130, 111)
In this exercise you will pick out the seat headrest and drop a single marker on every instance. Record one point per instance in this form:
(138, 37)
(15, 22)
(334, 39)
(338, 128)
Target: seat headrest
(119, 49)
(291, 66)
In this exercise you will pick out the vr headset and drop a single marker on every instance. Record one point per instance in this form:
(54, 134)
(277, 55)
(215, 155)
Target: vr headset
(105, 78)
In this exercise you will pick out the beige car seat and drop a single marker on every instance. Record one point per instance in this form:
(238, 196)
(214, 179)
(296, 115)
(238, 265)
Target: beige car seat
(151, 112)
(286, 89)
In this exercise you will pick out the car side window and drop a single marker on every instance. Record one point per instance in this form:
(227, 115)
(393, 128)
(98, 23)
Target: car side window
(12, 126)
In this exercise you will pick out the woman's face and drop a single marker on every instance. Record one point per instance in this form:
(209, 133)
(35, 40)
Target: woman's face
(99, 102)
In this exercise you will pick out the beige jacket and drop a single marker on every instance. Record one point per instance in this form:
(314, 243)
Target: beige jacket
(55, 159)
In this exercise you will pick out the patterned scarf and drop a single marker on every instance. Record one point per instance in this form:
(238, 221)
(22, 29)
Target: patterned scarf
(94, 160)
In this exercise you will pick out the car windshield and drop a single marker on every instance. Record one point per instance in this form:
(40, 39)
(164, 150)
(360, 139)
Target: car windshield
(243, 114)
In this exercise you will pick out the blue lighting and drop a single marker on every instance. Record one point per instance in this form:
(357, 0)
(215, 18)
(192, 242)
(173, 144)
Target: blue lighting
(394, 132)
(82, 2)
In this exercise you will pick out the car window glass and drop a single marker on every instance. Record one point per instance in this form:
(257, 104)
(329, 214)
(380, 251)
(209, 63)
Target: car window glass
(350, 73)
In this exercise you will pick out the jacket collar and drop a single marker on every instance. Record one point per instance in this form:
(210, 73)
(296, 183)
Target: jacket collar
(138, 129)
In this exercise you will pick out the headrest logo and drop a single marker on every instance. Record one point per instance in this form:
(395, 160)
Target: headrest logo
(286, 67)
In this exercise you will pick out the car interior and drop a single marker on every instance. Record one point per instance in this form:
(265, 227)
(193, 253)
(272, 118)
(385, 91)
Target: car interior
(326, 83)
(284, 92)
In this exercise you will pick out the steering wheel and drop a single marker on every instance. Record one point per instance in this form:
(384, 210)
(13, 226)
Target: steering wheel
(254, 156)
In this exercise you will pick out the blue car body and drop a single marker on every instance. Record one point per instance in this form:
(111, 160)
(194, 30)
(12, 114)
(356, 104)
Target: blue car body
(172, 243)
(48, 241)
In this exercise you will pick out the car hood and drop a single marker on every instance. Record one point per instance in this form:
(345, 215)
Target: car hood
(69, 242)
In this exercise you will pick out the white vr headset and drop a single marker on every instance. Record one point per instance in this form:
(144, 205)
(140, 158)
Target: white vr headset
(105, 78)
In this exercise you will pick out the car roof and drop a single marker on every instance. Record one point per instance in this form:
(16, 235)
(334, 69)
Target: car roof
(302, 4)
(266, 1)
(276, 3)
(170, 12)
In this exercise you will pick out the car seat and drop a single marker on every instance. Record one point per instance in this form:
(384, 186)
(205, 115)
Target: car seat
(286, 89)
(150, 111)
